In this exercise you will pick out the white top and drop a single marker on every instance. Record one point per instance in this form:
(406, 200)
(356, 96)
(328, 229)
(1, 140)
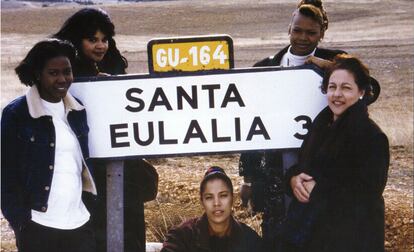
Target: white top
(289, 59)
(65, 206)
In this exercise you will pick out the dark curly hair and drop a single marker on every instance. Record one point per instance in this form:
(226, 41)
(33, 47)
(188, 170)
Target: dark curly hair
(35, 60)
(84, 24)
(353, 65)
(314, 10)
(215, 172)
(318, 4)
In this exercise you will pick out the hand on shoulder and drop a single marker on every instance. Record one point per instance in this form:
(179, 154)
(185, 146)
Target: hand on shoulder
(321, 63)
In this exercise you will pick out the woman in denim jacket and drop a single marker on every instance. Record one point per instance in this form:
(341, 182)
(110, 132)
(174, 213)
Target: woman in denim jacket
(44, 148)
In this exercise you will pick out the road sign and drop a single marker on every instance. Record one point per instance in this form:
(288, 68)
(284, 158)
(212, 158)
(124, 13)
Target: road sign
(190, 54)
(232, 111)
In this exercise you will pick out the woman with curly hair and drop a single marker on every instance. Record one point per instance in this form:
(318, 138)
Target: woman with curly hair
(92, 32)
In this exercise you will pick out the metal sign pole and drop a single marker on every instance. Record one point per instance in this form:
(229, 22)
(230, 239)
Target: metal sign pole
(115, 206)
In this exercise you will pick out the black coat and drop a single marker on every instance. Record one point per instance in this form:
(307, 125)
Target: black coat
(349, 161)
(251, 163)
(193, 236)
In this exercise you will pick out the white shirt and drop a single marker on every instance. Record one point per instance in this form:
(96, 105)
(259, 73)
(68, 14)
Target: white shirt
(289, 59)
(65, 206)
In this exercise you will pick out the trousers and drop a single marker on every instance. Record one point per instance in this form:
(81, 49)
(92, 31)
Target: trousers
(38, 238)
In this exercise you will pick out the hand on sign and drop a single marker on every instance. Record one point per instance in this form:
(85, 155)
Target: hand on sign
(299, 189)
(321, 63)
(100, 74)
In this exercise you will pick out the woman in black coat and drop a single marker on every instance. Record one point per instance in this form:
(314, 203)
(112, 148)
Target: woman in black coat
(342, 171)
(264, 171)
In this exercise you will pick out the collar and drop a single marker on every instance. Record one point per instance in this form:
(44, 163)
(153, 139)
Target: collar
(203, 234)
(357, 111)
(36, 108)
(299, 56)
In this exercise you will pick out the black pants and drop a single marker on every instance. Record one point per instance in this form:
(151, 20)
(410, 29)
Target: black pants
(37, 238)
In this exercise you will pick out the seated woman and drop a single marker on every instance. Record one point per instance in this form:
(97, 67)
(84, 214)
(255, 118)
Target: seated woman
(342, 170)
(216, 230)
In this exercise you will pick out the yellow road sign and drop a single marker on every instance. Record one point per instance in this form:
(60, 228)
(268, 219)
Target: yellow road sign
(190, 54)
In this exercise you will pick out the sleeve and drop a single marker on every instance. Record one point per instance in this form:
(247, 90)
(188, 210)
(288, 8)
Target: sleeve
(175, 240)
(142, 178)
(370, 178)
(12, 197)
(292, 171)
(249, 163)
(253, 241)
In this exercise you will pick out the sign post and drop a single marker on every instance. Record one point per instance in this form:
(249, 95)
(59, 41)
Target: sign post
(115, 205)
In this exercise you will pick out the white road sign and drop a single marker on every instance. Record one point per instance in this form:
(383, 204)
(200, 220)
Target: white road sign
(239, 110)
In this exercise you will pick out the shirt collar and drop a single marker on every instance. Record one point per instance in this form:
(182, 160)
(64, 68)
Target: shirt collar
(36, 108)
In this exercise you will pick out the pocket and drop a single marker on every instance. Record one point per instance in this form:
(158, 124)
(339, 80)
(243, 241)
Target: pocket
(31, 136)
(301, 220)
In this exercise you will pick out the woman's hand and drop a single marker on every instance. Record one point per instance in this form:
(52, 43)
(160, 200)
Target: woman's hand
(100, 74)
(321, 63)
(309, 185)
(297, 183)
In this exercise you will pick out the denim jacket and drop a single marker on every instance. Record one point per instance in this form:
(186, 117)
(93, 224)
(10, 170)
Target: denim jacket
(28, 155)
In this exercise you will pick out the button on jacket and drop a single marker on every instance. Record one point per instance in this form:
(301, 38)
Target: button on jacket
(28, 155)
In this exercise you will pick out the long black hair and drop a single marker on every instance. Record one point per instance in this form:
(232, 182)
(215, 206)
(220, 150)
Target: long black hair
(84, 24)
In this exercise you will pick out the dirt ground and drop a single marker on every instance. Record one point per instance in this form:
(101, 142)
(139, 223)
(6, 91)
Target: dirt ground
(381, 32)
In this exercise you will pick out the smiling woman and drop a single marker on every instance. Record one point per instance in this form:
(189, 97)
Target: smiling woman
(92, 33)
(337, 184)
(44, 146)
(216, 230)
(55, 79)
